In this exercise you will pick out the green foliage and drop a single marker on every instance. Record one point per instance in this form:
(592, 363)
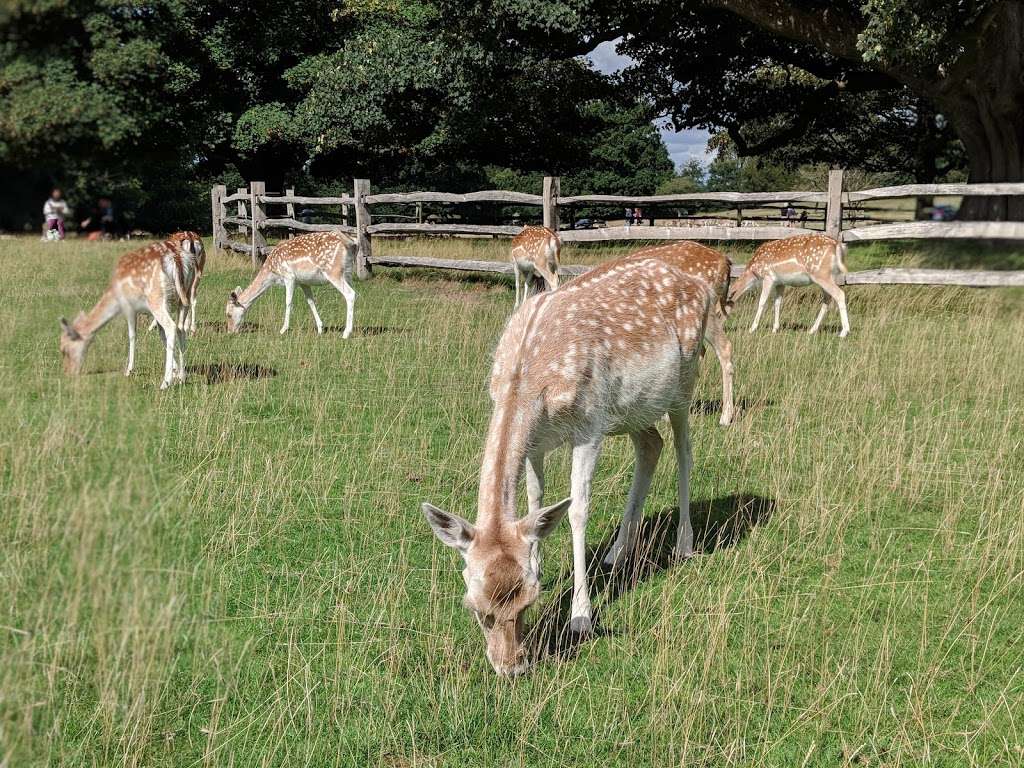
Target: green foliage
(100, 96)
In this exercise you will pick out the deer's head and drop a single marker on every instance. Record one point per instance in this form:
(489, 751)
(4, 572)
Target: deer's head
(235, 311)
(72, 346)
(502, 575)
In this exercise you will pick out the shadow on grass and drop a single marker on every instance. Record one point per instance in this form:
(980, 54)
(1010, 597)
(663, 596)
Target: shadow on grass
(714, 407)
(368, 330)
(717, 524)
(216, 373)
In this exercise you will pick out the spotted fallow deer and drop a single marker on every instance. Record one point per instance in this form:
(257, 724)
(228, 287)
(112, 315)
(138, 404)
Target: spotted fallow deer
(714, 268)
(187, 315)
(609, 353)
(534, 256)
(796, 261)
(153, 280)
(319, 257)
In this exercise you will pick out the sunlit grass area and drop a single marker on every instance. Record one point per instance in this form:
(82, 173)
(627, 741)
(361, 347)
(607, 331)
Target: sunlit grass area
(236, 571)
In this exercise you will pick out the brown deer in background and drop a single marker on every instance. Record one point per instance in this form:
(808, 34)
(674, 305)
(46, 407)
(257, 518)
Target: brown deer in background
(534, 257)
(796, 261)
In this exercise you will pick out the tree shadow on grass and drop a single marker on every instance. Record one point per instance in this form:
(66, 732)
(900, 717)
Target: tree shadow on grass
(718, 524)
(216, 373)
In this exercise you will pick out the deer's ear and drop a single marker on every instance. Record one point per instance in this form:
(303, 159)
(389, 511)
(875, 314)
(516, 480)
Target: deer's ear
(234, 298)
(69, 330)
(542, 522)
(452, 530)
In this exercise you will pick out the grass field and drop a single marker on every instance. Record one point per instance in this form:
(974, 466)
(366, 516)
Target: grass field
(236, 572)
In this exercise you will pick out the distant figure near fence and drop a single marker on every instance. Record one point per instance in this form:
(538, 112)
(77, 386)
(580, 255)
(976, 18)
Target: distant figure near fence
(534, 255)
(54, 211)
(796, 261)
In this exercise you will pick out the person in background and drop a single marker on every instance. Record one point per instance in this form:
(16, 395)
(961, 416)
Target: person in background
(789, 214)
(629, 216)
(100, 224)
(638, 216)
(54, 211)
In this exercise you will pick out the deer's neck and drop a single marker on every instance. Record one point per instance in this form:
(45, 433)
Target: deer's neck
(105, 310)
(256, 288)
(512, 431)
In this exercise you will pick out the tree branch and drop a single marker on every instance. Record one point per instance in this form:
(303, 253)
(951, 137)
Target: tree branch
(828, 30)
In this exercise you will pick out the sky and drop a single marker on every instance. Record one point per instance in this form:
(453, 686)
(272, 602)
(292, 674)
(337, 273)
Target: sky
(682, 145)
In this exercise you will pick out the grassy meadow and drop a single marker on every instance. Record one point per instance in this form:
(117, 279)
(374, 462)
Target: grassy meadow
(236, 572)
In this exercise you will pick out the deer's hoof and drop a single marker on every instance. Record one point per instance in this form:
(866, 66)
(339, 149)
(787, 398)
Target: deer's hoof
(581, 625)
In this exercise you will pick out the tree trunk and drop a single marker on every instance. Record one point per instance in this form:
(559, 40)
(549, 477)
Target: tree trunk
(985, 105)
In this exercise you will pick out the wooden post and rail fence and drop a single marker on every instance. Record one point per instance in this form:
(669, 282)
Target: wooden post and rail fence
(252, 221)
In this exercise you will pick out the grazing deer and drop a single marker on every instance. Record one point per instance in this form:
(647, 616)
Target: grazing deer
(714, 268)
(187, 315)
(319, 257)
(796, 261)
(153, 280)
(535, 252)
(609, 353)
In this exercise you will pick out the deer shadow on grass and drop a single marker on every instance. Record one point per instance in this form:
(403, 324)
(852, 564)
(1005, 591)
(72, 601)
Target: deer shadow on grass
(702, 407)
(217, 373)
(367, 330)
(717, 524)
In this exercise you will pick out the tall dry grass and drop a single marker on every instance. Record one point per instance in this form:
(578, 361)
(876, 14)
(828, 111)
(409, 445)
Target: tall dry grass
(235, 572)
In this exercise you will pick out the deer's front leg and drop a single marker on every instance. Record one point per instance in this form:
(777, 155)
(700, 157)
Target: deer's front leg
(308, 293)
(289, 292)
(777, 309)
(767, 286)
(130, 317)
(684, 460)
(648, 445)
(515, 271)
(584, 460)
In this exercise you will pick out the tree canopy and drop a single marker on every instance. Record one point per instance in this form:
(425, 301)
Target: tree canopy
(152, 101)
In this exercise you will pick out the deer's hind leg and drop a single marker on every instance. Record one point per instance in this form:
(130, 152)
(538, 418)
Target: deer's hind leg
(829, 286)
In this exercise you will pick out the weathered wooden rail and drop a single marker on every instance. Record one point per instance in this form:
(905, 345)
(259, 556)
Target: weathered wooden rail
(251, 221)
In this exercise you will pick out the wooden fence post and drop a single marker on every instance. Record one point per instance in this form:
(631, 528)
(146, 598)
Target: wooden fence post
(361, 189)
(290, 209)
(259, 214)
(218, 211)
(242, 213)
(551, 192)
(834, 211)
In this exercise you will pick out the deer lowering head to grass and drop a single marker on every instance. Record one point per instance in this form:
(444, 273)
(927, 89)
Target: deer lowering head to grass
(194, 262)
(534, 258)
(714, 268)
(796, 261)
(319, 257)
(152, 279)
(609, 353)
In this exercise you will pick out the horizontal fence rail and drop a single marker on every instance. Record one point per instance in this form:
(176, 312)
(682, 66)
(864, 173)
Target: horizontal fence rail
(251, 221)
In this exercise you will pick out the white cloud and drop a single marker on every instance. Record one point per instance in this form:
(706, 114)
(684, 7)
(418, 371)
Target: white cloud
(606, 59)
